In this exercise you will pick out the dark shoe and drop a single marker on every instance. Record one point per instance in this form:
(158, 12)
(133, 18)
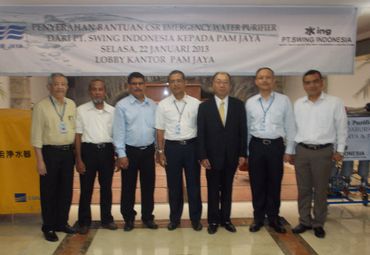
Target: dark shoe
(319, 232)
(197, 226)
(150, 224)
(255, 227)
(172, 226)
(110, 225)
(129, 225)
(229, 226)
(66, 229)
(300, 228)
(212, 228)
(51, 236)
(277, 226)
(82, 230)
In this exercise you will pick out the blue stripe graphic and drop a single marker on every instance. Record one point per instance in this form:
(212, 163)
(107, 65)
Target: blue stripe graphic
(14, 32)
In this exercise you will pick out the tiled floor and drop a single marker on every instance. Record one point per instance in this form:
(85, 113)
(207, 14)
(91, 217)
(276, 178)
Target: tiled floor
(348, 232)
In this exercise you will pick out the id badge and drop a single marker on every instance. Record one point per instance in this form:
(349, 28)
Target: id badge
(62, 127)
(178, 129)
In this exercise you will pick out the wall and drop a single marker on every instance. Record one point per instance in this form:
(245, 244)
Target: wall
(4, 92)
(38, 88)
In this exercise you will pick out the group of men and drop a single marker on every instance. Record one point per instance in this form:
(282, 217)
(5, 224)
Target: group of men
(182, 134)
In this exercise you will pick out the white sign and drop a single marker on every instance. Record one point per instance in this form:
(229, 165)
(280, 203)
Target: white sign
(358, 142)
(117, 40)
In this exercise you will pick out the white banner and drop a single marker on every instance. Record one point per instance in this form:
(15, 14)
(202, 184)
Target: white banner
(200, 40)
(358, 142)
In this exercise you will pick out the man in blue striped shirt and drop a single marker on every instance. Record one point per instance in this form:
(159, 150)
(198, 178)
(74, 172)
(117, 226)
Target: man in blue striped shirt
(133, 137)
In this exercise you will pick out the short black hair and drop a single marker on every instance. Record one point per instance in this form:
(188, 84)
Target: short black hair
(311, 72)
(265, 68)
(176, 72)
(135, 75)
(217, 73)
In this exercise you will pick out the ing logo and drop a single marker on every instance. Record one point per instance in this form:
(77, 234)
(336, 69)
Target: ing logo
(12, 32)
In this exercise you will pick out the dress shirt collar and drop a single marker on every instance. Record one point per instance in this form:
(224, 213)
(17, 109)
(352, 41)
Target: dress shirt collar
(133, 100)
(91, 106)
(56, 102)
(184, 99)
(322, 97)
(219, 100)
(259, 96)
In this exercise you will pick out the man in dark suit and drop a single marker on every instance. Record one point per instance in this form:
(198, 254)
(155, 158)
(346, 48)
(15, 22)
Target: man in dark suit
(222, 148)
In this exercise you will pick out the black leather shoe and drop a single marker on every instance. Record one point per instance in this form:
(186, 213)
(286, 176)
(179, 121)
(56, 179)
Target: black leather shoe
(150, 224)
(197, 226)
(82, 230)
(66, 229)
(172, 226)
(319, 232)
(300, 228)
(229, 226)
(212, 228)
(129, 225)
(255, 227)
(277, 226)
(50, 236)
(110, 225)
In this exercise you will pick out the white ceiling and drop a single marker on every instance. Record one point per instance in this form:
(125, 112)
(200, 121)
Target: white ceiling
(363, 30)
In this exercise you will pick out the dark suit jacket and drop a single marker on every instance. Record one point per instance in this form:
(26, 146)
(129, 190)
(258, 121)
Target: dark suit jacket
(222, 144)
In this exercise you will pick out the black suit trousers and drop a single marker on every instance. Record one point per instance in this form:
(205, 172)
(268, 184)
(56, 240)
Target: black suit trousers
(181, 157)
(101, 161)
(139, 160)
(56, 187)
(220, 186)
(266, 173)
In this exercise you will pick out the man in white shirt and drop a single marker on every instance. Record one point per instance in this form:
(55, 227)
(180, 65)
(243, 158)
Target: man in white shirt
(321, 123)
(95, 153)
(270, 121)
(176, 124)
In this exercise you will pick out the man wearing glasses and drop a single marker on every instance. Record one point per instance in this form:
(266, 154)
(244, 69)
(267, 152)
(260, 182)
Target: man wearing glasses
(176, 126)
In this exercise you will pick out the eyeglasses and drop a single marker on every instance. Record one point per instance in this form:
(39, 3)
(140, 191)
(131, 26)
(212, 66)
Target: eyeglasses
(179, 81)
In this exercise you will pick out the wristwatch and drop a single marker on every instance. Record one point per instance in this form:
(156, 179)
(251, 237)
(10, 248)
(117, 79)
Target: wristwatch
(160, 151)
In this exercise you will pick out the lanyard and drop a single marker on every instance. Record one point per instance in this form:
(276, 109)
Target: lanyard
(178, 110)
(61, 115)
(267, 109)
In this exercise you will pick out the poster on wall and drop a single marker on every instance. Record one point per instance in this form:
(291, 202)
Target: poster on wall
(200, 40)
(358, 141)
(19, 180)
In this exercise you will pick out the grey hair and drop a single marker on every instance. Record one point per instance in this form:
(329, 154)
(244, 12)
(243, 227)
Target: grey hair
(55, 75)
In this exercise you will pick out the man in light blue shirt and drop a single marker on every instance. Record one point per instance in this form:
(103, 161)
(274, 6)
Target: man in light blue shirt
(270, 121)
(133, 137)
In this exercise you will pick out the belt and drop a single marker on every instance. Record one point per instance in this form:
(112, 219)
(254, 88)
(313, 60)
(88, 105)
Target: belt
(267, 141)
(139, 147)
(66, 147)
(98, 146)
(315, 146)
(181, 142)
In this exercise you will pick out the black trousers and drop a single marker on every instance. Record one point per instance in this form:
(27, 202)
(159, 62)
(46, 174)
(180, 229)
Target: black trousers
(139, 160)
(266, 172)
(220, 186)
(98, 159)
(179, 157)
(56, 187)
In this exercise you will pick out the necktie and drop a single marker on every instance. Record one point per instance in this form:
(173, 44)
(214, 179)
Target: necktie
(221, 110)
